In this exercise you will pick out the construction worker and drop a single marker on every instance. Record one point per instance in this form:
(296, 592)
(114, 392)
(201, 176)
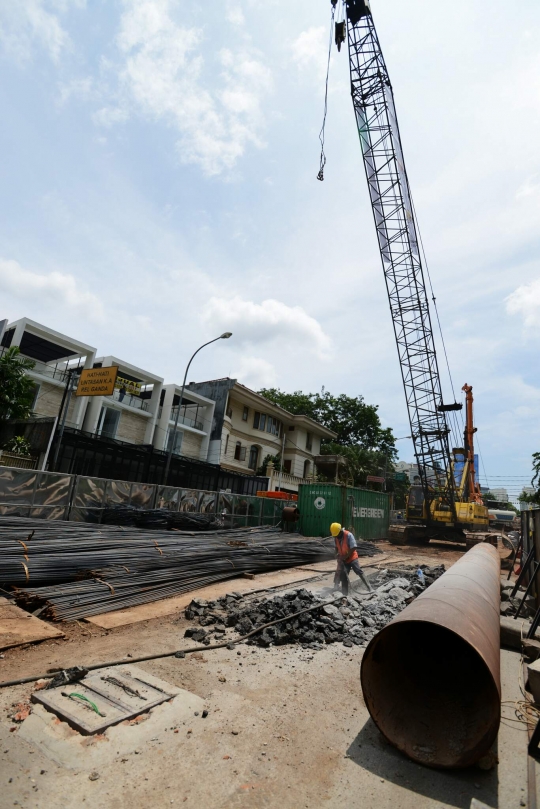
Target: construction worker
(347, 558)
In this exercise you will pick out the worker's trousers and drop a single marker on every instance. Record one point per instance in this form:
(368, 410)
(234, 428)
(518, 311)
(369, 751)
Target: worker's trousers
(342, 575)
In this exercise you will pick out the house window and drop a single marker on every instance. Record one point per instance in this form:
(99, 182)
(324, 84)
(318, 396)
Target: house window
(253, 457)
(287, 466)
(273, 425)
(309, 441)
(245, 413)
(307, 469)
(267, 424)
(178, 438)
(291, 429)
(108, 422)
(259, 421)
(229, 412)
(239, 452)
(226, 444)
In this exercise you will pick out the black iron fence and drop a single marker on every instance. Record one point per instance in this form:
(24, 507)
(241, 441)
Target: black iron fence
(97, 456)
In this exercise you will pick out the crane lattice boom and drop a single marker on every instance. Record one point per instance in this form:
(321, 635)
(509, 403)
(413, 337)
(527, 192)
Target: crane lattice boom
(393, 212)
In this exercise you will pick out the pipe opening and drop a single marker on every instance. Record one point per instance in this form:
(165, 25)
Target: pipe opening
(430, 694)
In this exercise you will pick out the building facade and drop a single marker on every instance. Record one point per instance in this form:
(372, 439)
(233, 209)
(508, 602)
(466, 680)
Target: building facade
(247, 429)
(130, 414)
(193, 417)
(220, 421)
(54, 354)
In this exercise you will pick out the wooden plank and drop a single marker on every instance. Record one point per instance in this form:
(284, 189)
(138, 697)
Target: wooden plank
(18, 627)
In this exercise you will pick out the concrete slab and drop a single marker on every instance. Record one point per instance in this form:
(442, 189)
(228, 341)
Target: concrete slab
(68, 748)
(18, 627)
(118, 693)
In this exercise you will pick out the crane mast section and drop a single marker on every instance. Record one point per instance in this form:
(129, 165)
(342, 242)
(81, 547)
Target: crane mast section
(382, 152)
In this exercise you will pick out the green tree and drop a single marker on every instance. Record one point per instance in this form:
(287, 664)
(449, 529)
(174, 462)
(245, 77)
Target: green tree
(16, 388)
(275, 459)
(355, 422)
(525, 497)
(367, 448)
(19, 446)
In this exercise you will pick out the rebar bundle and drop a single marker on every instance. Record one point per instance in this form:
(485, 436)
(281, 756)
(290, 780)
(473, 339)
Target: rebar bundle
(76, 570)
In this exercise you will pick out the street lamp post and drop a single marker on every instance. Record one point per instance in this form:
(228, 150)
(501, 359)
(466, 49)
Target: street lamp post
(224, 336)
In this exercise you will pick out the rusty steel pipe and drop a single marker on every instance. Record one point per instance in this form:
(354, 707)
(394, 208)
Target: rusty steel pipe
(431, 677)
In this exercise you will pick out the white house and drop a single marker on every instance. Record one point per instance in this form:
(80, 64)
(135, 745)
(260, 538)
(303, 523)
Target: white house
(53, 354)
(130, 414)
(194, 424)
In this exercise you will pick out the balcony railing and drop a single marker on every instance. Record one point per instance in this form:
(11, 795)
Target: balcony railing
(188, 416)
(129, 399)
(57, 371)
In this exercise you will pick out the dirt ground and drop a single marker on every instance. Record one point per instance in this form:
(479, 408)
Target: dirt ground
(286, 727)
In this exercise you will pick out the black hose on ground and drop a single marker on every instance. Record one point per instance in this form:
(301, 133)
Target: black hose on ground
(132, 660)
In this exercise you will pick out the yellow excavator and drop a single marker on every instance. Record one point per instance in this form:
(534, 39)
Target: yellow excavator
(431, 517)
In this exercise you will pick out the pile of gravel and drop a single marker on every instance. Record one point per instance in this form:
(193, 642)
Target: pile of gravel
(353, 620)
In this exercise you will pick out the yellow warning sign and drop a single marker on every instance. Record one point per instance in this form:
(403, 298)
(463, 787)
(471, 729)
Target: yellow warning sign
(97, 381)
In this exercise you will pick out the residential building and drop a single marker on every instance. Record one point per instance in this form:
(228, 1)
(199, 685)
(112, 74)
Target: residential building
(194, 425)
(220, 422)
(500, 495)
(130, 414)
(53, 354)
(247, 428)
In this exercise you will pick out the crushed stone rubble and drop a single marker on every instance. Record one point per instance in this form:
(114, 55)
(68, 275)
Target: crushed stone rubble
(510, 606)
(354, 621)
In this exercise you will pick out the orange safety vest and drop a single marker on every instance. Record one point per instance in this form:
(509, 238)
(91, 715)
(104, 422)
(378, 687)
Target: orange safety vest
(346, 554)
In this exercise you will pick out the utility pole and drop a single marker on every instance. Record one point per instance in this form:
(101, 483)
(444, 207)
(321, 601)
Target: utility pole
(282, 455)
(224, 336)
(62, 415)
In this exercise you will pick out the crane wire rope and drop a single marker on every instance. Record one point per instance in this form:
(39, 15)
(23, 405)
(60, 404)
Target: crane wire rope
(456, 431)
(322, 162)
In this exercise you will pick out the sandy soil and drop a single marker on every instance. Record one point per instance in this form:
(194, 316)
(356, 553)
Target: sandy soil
(286, 728)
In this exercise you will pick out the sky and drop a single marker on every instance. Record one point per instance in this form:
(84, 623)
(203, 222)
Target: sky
(158, 186)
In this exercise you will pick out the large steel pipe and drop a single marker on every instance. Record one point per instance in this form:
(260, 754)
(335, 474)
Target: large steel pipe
(431, 678)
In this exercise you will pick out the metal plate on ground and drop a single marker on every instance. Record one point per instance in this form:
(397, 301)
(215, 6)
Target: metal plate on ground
(18, 627)
(105, 697)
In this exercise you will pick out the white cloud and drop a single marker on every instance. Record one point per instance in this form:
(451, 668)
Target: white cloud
(234, 14)
(525, 301)
(26, 23)
(83, 89)
(161, 76)
(256, 373)
(310, 49)
(57, 287)
(269, 321)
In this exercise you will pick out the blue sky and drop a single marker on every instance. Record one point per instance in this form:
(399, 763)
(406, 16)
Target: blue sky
(158, 186)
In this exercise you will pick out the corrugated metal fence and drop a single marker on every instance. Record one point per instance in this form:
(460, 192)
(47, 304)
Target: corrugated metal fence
(57, 496)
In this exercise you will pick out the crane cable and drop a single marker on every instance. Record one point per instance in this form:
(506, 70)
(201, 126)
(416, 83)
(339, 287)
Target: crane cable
(456, 427)
(322, 162)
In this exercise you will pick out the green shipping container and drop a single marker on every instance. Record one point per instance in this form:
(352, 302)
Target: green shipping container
(362, 511)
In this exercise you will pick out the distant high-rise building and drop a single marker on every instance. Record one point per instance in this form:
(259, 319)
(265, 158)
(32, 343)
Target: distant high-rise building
(501, 495)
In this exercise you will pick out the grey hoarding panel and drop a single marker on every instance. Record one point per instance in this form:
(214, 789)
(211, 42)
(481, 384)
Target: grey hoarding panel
(52, 489)
(17, 485)
(89, 492)
(142, 495)
(189, 500)
(168, 497)
(208, 502)
(117, 493)
(48, 512)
